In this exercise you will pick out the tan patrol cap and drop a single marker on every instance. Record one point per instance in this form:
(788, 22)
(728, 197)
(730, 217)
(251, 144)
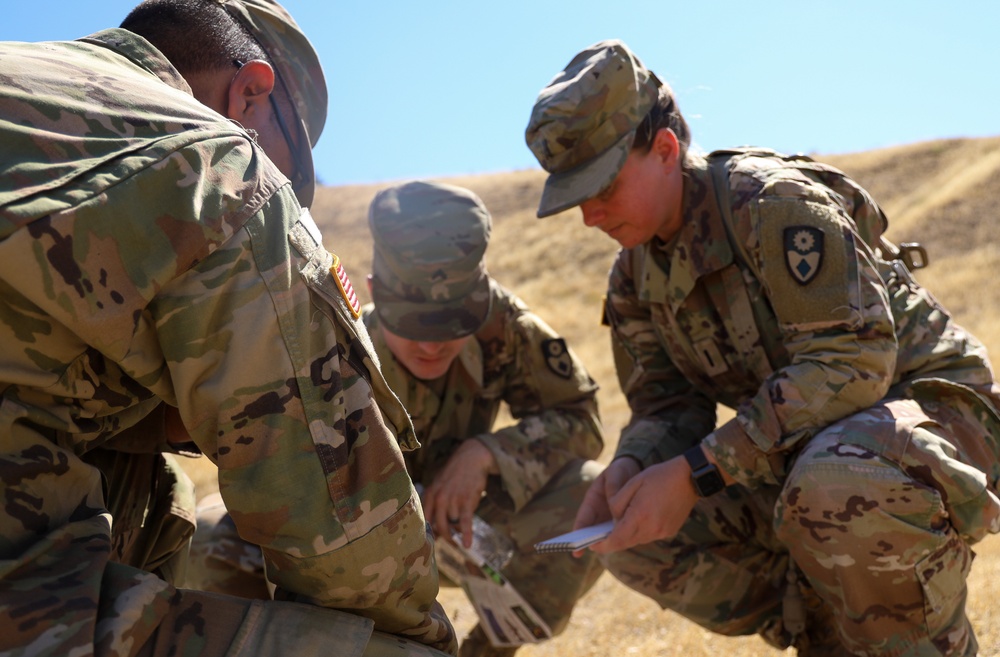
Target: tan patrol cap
(583, 123)
(429, 280)
(299, 76)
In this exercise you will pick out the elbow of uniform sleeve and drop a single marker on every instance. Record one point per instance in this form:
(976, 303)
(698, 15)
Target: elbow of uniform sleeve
(388, 575)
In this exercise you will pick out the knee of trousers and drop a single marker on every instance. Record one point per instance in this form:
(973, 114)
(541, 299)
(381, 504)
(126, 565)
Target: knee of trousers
(850, 483)
(839, 496)
(870, 533)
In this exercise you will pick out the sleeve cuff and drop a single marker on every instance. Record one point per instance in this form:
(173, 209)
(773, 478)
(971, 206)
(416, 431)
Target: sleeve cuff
(739, 456)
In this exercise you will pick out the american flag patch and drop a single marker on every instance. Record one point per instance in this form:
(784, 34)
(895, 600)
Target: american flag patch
(346, 289)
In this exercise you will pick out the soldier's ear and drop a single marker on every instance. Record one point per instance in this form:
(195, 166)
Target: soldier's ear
(667, 147)
(249, 91)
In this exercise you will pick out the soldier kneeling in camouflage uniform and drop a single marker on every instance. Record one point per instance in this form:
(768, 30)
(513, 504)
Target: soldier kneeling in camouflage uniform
(157, 268)
(836, 512)
(454, 345)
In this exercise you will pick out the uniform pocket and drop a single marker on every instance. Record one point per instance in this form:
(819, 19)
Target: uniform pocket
(942, 575)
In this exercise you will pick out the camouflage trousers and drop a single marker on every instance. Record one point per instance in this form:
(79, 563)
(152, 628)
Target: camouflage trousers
(864, 550)
(101, 581)
(552, 583)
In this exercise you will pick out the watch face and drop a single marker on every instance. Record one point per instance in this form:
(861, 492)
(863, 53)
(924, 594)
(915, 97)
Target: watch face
(708, 482)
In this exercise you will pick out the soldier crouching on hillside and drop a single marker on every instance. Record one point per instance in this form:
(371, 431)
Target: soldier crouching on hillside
(455, 345)
(153, 258)
(836, 511)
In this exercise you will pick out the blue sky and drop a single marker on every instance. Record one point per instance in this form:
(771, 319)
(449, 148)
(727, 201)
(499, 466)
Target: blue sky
(434, 88)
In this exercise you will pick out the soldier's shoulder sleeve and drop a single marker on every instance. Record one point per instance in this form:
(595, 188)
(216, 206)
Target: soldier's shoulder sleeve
(808, 256)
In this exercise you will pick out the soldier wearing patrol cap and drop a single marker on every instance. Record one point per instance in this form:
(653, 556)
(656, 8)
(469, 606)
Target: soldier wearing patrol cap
(162, 291)
(836, 511)
(454, 345)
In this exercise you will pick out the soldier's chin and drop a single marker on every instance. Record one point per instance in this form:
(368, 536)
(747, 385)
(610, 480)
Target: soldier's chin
(428, 369)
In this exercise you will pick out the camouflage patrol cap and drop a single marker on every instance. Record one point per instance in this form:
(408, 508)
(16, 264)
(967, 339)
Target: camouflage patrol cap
(429, 280)
(583, 123)
(298, 75)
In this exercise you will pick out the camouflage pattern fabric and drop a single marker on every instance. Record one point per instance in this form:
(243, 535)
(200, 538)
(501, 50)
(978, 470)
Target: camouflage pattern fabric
(857, 397)
(429, 280)
(582, 133)
(542, 458)
(221, 561)
(544, 473)
(151, 254)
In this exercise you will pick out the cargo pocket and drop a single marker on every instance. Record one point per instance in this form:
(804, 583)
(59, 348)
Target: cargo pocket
(942, 575)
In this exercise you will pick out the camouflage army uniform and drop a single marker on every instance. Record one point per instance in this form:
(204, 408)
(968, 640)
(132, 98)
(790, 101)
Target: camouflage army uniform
(151, 254)
(518, 360)
(430, 282)
(854, 392)
(865, 442)
(515, 359)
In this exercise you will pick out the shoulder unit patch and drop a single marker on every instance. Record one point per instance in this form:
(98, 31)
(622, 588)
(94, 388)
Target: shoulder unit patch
(803, 252)
(557, 357)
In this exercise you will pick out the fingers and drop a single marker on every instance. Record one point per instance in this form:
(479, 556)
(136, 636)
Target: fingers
(619, 472)
(465, 526)
(449, 511)
(594, 508)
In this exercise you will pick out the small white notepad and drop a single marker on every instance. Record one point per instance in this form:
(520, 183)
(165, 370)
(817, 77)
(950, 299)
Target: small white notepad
(577, 540)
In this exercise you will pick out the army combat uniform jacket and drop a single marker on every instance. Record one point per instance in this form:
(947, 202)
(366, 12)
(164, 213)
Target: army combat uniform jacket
(514, 358)
(790, 311)
(865, 436)
(150, 253)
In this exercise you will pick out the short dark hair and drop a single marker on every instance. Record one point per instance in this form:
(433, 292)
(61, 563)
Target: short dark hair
(664, 114)
(195, 35)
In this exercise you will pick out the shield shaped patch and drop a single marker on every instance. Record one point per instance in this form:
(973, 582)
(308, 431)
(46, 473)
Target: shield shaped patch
(803, 252)
(557, 357)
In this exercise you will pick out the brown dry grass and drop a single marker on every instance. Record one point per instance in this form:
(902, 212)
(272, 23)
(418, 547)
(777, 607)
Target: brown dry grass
(945, 194)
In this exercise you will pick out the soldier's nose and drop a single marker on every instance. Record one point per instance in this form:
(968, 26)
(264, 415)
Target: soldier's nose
(593, 214)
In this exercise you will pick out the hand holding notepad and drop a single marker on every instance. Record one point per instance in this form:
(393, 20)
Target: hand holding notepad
(578, 539)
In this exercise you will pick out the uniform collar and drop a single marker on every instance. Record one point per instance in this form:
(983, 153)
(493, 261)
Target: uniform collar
(140, 52)
(701, 247)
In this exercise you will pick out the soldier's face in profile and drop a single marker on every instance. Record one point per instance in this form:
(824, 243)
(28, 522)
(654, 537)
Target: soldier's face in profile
(635, 207)
(425, 360)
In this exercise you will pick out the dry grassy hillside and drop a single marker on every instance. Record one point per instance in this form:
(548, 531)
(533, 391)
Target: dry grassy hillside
(945, 194)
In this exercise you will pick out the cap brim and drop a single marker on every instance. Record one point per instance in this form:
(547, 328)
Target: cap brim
(426, 321)
(568, 189)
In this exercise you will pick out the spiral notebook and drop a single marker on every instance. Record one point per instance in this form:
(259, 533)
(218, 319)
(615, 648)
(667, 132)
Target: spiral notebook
(577, 540)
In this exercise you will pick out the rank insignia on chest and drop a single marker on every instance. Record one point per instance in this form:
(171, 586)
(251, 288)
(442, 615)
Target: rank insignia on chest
(557, 357)
(803, 252)
(346, 289)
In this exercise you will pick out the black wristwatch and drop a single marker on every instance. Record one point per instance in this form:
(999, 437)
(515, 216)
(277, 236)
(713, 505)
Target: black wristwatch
(705, 476)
